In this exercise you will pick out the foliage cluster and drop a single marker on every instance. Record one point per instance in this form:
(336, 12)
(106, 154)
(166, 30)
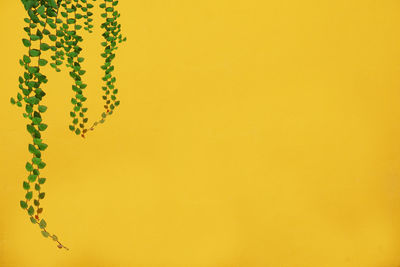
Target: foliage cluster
(54, 26)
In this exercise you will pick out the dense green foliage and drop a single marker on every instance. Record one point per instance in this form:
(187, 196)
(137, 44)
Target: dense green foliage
(54, 26)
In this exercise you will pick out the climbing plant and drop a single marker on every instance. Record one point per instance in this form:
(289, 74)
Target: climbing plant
(53, 27)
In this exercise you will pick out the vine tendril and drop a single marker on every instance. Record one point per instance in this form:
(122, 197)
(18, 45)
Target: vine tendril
(63, 39)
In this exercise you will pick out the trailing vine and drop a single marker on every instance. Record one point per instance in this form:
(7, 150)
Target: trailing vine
(55, 25)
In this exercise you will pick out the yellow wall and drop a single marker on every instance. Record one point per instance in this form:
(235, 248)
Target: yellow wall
(250, 133)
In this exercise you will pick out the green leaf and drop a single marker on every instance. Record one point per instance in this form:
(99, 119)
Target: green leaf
(27, 92)
(42, 195)
(29, 167)
(31, 211)
(36, 161)
(12, 100)
(42, 224)
(37, 141)
(26, 185)
(36, 202)
(32, 100)
(42, 109)
(42, 127)
(44, 233)
(34, 37)
(29, 195)
(44, 46)
(37, 120)
(71, 21)
(53, 3)
(23, 204)
(42, 180)
(72, 54)
(26, 42)
(27, 59)
(33, 220)
(52, 37)
(32, 178)
(42, 146)
(42, 62)
(37, 187)
(55, 238)
(41, 165)
(41, 10)
(33, 70)
(34, 53)
(30, 128)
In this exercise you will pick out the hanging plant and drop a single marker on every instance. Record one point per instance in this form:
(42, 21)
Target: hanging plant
(53, 26)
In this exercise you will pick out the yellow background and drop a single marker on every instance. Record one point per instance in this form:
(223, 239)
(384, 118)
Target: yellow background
(250, 133)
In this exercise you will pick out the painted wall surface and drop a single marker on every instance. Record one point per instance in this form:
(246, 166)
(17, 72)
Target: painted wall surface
(250, 134)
